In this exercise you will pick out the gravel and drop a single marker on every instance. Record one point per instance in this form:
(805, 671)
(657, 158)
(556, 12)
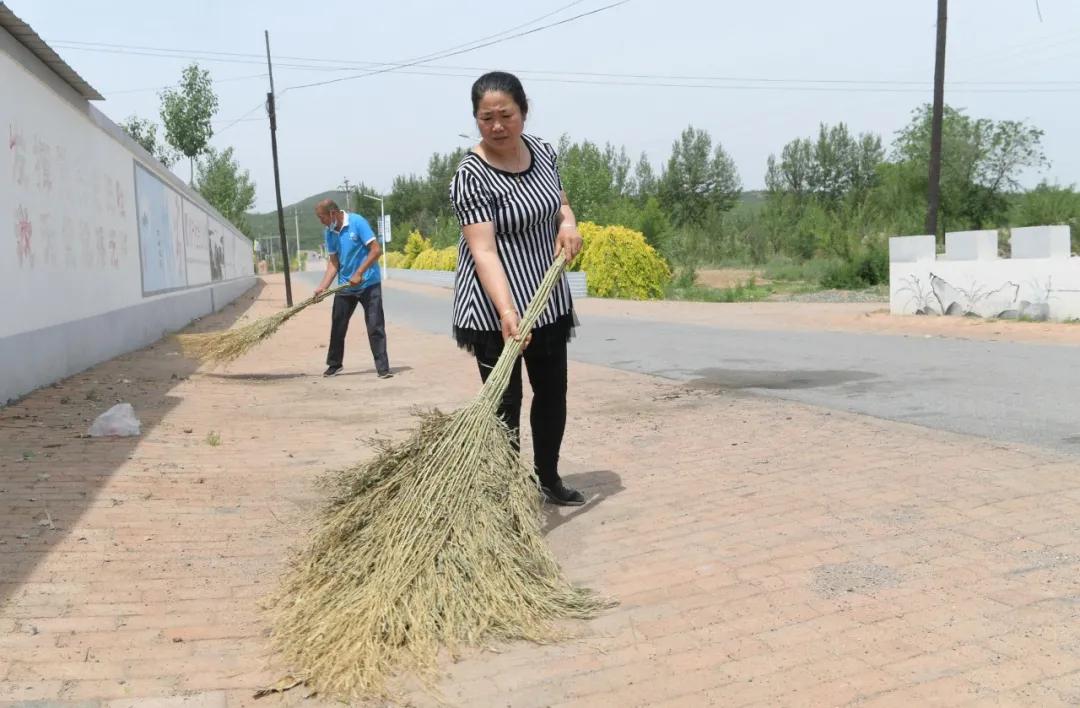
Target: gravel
(868, 295)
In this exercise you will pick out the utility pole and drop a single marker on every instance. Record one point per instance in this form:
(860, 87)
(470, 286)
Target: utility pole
(382, 228)
(933, 196)
(348, 206)
(296, 216)
(270, 109)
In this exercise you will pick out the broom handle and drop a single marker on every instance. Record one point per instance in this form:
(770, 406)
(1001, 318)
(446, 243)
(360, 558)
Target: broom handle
(320, 297)
(499, 379)
(295, 309)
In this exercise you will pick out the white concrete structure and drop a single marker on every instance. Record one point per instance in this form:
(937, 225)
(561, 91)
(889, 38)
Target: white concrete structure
(1040, 281)
(102, 250)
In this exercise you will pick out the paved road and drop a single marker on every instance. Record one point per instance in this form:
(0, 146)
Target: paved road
(1004, 391)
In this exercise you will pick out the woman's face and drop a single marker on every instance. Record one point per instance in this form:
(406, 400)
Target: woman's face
(499, 119)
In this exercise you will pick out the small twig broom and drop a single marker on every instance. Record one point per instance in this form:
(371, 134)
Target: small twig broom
(436, 542)
(228, 345)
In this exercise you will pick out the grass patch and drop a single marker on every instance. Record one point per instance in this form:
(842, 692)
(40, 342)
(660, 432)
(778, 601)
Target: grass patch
(213, 439)
(787, 269)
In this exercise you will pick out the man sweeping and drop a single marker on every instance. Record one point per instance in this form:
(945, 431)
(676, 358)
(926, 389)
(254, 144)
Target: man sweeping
(353, 256)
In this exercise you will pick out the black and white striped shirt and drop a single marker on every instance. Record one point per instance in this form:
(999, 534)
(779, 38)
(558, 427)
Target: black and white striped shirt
(523, 207)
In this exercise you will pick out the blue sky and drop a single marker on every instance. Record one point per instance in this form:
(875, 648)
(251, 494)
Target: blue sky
(787, 65)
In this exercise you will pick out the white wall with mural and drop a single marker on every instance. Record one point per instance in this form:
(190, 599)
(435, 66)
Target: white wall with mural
(91, 228)
(93, 231)
(1040, 280)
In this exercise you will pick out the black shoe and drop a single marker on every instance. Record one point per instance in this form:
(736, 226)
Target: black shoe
(386, 374)
(559, 493)
(332, 371)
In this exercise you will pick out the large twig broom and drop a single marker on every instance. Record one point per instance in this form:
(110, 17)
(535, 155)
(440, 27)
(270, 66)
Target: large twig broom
(436, 542)
(228, 345)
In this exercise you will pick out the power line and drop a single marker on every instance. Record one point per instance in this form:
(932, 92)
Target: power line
(463, 51)
(247, 58)
(774, 86)
(1009, 54)
(736, 87)
(241, 119)
(162, 88)
(505, 31)
(857, 84)
(206, 53)
(614, 75)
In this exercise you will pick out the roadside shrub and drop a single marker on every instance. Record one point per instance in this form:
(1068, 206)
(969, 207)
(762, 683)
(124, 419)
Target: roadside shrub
(620, 263)
(414, 245)
(436, 259)
(869, 267)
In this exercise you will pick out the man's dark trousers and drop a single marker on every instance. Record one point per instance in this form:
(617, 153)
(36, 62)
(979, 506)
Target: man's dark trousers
(370, 298)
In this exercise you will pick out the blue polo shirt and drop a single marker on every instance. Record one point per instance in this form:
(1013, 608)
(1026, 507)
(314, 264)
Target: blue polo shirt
(352, 245)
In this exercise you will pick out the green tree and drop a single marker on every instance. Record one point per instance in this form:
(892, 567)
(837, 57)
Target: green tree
(644, 183)
(186, 113)
(423, 202)
(440, 172)
(698, 179)
(587, 178)
(618, 163)
(1049, 204)
(981, 163)
(362, 205)
(144, 132)
(230, 191)
(834, 167)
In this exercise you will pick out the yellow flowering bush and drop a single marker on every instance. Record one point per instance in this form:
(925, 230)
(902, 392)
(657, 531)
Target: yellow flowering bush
(619, 263)
(414, 246)
(436, 259)
(448, 258)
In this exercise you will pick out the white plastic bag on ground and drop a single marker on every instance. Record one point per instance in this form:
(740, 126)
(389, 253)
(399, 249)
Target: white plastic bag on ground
(119, 420)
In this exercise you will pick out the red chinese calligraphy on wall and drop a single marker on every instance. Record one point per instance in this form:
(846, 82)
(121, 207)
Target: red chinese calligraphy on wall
(17, 146)
(24, 234)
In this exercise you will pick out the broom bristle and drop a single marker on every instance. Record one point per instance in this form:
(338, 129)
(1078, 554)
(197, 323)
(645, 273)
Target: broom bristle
(436, 542)
(229, 345)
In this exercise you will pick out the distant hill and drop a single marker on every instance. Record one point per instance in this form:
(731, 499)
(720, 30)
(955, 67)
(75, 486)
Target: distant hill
(311, 231)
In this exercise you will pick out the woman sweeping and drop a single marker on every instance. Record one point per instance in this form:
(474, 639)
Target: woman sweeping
(514, 218)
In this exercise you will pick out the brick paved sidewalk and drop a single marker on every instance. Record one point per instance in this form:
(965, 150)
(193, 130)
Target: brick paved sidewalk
(765, 553)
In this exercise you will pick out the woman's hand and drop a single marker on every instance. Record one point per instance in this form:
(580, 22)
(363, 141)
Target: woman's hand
(568, 241)
(510, 320)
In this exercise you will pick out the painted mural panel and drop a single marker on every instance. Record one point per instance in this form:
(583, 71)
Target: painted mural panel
(197, 244)
(215, 233)
(161, 233)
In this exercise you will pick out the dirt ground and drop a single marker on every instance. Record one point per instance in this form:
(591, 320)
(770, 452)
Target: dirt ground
(729, 277)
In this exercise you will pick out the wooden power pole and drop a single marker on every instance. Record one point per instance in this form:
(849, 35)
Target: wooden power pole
(277, 175)
(933, 195)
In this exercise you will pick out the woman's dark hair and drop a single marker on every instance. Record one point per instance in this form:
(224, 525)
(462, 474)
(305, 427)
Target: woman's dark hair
(499, 81)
